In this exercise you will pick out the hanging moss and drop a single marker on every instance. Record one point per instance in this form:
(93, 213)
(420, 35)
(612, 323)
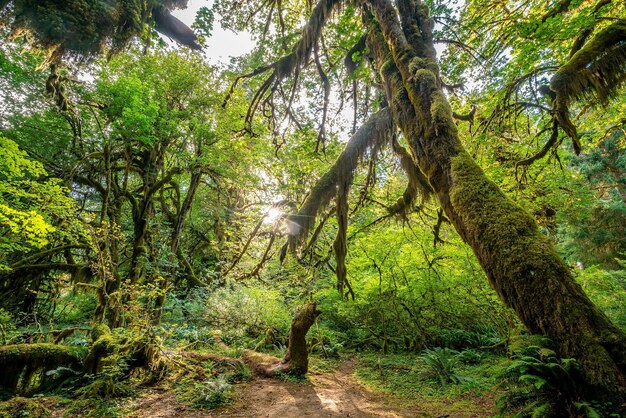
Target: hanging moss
(595, 73)
(597, 70)
(24, 365)
(82, 28)
(23, 407)
(371, 136)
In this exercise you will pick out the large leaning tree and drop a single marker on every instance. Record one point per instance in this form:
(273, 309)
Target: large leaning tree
(396, 41)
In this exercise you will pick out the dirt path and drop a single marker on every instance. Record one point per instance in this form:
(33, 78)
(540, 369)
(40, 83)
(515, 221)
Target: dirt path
(329, 394)
(333, 394)
(325, 394)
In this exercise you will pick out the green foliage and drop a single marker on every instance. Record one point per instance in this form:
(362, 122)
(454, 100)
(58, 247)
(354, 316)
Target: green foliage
(441, 363)
(205, 395)
(7, 326)
(238, 373)
(409, 302)
(246, 312)
(607, 289)
(93, 408)
(592, 228)
(543, 385)
(203, 24)
(28, 207)
(459, 339)
(109, 383)
(73, 307)
(470, 356)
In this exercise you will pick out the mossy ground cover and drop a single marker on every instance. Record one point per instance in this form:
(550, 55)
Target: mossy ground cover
(407, 378)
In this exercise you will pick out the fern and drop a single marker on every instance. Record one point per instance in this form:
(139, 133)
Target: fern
(441, 363)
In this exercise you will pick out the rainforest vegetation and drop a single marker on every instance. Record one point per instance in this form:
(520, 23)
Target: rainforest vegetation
(384, 208)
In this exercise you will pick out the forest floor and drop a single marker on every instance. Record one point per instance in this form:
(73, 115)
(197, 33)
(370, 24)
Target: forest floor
(325, 393)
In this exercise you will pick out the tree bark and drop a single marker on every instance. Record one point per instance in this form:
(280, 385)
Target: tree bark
(296, 360)
(521, 263)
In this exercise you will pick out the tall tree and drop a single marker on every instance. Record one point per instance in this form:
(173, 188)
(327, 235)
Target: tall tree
(521, 263)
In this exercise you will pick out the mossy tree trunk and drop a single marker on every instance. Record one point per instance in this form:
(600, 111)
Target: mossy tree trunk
(521, 263)
(296, 360)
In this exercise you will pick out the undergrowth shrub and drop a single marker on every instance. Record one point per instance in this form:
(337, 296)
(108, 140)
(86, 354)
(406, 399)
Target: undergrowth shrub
(441, 363)
(110, 383)
(237, 374)
(244, 313)
(459, 339)
(541, 384)
(7, 326)
(93, 408)
(470, 356)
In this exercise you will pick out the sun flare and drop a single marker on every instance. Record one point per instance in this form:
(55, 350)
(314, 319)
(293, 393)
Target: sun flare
(272, 215)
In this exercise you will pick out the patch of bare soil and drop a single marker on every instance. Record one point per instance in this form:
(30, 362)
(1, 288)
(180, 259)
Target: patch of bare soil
(163, 404)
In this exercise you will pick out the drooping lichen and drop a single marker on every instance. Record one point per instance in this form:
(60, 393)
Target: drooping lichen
(596, 73)
(597, 70)
(370, 137)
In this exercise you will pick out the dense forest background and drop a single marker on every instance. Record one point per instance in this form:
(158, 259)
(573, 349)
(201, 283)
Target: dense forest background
(159, 215)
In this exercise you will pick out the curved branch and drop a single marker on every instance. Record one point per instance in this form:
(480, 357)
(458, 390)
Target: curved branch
(550, 144)
(376, 131)
(24, 261)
